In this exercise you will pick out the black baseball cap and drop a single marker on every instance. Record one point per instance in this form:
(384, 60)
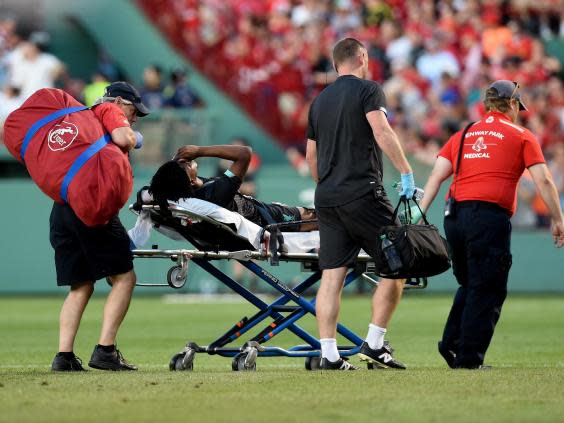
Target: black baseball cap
(504, 88)
(128, 92)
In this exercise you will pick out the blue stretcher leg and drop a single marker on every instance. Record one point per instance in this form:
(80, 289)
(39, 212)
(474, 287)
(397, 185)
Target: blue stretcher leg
(253, 299)
(307, 306)
(282, 300)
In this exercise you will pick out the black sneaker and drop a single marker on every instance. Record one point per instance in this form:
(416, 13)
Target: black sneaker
(381, 357)
(113, 360)
(340, 364)
(448, 354)
(64, 364)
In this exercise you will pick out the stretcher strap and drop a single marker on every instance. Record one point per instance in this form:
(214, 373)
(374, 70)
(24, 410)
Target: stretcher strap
(81, 161)
(44, 121)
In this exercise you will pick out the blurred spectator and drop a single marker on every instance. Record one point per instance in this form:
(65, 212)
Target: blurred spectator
(95, 89)
(7, 38)
(436, 61)
(556, 166)
(31, 67)
(10, 100)
(178, 93)
(346, 18)
(531, 210)
(525, 216)
(108, 68)
(152, 90)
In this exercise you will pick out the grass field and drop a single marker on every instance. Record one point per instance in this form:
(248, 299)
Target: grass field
(526, 384)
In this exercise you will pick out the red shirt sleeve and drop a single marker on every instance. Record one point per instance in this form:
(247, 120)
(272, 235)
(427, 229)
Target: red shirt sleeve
(446, 150)
(111, 116)
(532, 152)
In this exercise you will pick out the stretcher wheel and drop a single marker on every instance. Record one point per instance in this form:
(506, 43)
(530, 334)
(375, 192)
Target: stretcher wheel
(312, 363)
(183, 361)
(240, 364)
(171, 277)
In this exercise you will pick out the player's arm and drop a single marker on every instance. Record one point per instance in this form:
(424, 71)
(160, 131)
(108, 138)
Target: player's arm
(545, 184)
(388, 141)
(124, 137)
(240, 155)
(311, 159)
(441, 171)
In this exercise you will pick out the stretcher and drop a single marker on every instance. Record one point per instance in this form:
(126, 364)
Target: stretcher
(214, 241)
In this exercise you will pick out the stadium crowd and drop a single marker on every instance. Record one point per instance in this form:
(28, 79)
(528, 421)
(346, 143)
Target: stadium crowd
(273, 56)
(432, 57)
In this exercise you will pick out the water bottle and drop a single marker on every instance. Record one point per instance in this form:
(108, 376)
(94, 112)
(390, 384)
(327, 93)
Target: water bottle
(391, 254)
(418, 194)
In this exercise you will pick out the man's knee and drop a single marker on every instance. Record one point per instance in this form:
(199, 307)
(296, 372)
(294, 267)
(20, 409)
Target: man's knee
(82, 289)
(335, 274)
(392, 283)
(124, 279)
(334, 278)
(390, 287)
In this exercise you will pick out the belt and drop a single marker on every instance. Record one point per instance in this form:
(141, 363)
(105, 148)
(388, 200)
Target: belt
(477, 204)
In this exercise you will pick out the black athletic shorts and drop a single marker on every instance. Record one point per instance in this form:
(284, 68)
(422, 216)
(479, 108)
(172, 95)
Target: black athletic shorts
(282, 213)
(344, 230)
(84, 253)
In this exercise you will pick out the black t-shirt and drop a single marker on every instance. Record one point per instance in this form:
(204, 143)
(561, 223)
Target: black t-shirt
(220, 190)
(349, 162)
(224, 191)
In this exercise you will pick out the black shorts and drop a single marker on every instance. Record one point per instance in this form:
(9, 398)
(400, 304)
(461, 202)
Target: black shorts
(282, 213)
(84, 253)
(344, 230)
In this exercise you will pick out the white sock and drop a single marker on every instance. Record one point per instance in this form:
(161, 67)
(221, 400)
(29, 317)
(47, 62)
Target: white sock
(375, 337)
(329, 349)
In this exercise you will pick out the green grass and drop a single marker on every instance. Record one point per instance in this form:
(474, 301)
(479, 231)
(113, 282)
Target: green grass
(526, 384)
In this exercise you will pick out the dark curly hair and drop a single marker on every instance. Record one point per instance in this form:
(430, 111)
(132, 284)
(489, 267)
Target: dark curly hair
(170, 182)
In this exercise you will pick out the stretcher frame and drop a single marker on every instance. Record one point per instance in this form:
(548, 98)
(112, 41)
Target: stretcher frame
(283, 316)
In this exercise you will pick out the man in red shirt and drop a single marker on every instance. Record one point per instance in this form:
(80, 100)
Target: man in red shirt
(480, 202)
(84, 254)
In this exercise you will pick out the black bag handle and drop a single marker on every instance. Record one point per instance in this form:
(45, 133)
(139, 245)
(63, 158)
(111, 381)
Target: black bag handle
(403, 200)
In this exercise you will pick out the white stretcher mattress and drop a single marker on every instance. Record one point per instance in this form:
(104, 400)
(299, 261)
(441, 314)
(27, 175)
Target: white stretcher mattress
(296, 242)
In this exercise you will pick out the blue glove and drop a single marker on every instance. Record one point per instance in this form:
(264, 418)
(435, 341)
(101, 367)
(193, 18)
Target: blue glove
(138, 140)
(407, 185)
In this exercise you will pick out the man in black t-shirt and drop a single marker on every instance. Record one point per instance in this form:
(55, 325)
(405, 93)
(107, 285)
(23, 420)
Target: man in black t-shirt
(347, 132)
(179, 179)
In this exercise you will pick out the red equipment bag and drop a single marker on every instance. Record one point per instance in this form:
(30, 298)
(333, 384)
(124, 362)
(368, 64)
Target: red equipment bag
(69, 156)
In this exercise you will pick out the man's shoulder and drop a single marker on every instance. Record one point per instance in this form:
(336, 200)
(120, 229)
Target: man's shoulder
(370, 83)
(504, 124)
(357, 85)
(105, 107)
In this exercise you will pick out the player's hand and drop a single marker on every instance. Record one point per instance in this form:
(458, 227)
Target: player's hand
(558, 233)
(407, 185)
(187, 153)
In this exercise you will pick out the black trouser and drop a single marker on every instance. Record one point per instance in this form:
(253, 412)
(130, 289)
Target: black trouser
(479, 235)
